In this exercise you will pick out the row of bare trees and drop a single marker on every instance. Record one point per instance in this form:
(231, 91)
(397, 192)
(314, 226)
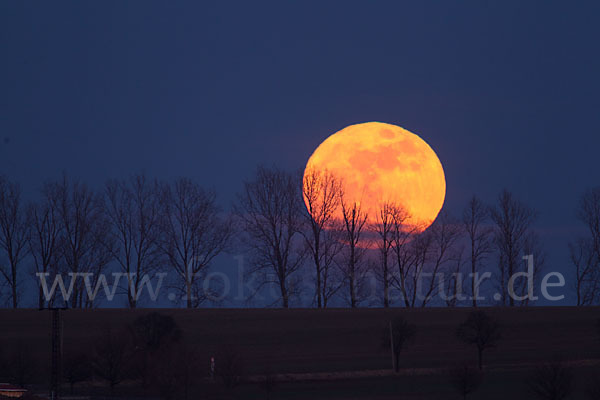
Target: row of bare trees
(585, 250)
(140, 225)
(295, 229)
(360, 258)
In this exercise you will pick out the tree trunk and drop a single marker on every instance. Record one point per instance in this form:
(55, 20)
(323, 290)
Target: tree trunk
(352, 292)
(74, 296)
(284, 294)
(132, 302)
(386, 284)
(511, 268)
(188, 292)
(131, 294)
(352, 271)
(14, 285)
(511, 300)
(40, 297)
(319, 296)
(285, 301)
(473, 267)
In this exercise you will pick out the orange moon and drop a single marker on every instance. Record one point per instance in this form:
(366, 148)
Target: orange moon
(381, 163)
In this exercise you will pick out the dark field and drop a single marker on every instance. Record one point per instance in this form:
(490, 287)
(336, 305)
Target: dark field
(338, 353)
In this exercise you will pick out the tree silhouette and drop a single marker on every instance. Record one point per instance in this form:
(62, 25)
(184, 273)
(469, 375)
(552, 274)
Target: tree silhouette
(84, 239)
(14, 234)
(587, 275)
(475, 215)
(174, 371)
(553, 381)
(132, 207)
(384, 227)
(514, 238)
(588, 211)
(151, 333)
(352, 262)
(465, 379)
(21, 364)
(77, 367)
(193, 234)
(321, 192)
(229, 366)
(480, 330)
(269, 214)
(112, 361)
(439, 250)
(45, 235)
(155, 330)
(404, 241)
(396, 336)
(585, 251)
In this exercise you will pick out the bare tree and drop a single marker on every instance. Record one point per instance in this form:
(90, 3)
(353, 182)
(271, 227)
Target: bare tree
(396, 336)
(112, 357)
(175, 371)
(475, 216)
(269, 212)
(439, 251)
(21, 364)
(229, 366)
(588, 212)
(404, 248)
(153, 331)
(331, 246)
(455, 279)
(321, 192)
(77, 367)
(353, 265)
(14, 233)
(194, 233)
(426, 260)
(480, 330)
(132, 208)
(465, 379)
(45, 235)
(388, 215)
(587, 277)
(585, 252)
(417, 255)
(154, 335)
(84, 229)
(514, 238)
(553, 381)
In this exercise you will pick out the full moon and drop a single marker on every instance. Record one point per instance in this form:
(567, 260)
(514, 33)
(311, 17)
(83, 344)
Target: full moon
(379, 163)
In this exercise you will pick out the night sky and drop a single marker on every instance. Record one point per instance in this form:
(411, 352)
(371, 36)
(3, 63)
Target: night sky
(505, 92)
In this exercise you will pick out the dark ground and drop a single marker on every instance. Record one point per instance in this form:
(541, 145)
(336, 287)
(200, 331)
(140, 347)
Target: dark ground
(308, 344)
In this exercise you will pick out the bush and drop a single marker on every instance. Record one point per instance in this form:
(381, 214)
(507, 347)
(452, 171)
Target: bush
(229, 367)
(553, 381)
(465, 379)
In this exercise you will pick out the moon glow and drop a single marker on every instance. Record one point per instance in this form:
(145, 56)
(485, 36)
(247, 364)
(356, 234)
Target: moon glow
(381, 163)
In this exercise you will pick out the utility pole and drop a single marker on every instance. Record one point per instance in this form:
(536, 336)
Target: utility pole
(56, 344)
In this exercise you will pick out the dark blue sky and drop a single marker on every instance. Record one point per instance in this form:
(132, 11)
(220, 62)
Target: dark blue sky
(506, 92)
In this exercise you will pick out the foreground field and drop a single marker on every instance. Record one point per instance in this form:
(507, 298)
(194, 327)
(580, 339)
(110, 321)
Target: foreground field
(338, 353)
